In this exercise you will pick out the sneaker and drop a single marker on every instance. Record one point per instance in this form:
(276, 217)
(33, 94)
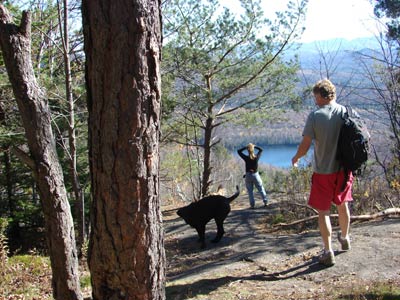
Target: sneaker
(265, 204)
(344, 242)
(327, 258)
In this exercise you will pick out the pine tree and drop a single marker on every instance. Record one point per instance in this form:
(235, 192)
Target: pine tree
(219, 67)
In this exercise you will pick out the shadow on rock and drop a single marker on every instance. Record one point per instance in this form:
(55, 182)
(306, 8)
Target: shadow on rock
(206, 286)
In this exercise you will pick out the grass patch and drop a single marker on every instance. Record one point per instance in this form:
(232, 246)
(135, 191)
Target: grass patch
(27, 275)
(36, 264)
(278, 218)
(389, 290)
(85, 281)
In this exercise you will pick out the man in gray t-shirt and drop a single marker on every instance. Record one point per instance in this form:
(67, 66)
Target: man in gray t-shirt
(323, 127)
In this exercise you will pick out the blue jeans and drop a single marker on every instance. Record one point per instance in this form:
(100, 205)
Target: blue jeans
(251, 180)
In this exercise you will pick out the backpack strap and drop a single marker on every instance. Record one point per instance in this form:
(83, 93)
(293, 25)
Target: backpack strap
(344, 115)
(348, 112)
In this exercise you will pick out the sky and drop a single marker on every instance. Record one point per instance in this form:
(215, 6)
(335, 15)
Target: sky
(329, 19)
(349, 19)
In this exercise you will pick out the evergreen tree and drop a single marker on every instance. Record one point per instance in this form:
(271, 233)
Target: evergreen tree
(391, 10)
(19, 200)
(219, 67)
(15, 41)
(50, 54)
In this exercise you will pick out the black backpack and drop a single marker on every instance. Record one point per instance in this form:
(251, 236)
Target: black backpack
(354, 142)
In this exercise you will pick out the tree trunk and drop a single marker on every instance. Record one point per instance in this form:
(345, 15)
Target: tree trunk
(122, 46)
(73, 172)
(206, 182)
(208, 131)
(16, 47)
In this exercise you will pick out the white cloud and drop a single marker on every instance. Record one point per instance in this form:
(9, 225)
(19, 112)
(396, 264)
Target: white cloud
(327, 19)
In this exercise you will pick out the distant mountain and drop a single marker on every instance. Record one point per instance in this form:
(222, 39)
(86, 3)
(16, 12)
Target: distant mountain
(338, 53)
(344, 44)
(343, 61)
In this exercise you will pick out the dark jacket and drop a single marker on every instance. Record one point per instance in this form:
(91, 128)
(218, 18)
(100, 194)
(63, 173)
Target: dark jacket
(251, 164)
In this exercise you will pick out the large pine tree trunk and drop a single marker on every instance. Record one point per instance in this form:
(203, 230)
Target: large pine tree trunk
(122, 46)
(16, 48)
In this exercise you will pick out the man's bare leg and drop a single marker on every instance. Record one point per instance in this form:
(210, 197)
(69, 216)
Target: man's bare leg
(344, 219)
(325, 229)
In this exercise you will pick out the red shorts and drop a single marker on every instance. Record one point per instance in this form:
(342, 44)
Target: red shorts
(326, 188)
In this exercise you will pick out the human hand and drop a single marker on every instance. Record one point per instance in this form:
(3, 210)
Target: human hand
(295, 162)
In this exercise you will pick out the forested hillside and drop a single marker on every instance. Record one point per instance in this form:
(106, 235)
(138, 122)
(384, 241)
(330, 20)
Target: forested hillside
(346, 63)
(287, 129)
(112, 111)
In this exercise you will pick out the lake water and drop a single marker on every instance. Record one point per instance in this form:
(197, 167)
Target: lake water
(280, 155)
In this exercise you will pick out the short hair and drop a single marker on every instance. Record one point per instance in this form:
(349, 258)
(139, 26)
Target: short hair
(325, 88)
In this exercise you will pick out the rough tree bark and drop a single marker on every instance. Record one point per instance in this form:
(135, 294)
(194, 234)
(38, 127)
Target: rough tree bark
(15, 44)
(122, 46)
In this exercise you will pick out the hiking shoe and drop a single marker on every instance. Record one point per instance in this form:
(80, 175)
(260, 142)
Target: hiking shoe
(344, 242)
(327, 258)
(265, 204)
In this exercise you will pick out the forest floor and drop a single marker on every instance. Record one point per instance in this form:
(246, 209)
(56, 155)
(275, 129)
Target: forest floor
(253, 262)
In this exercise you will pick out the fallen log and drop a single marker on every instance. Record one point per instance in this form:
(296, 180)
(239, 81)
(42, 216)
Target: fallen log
(385, 213)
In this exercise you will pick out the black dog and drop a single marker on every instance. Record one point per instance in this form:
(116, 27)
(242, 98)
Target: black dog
(199, 213)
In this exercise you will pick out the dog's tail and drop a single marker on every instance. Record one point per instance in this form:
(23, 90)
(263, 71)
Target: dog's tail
(234, 196)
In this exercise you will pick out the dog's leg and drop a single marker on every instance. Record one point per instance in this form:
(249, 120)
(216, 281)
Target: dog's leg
(220, 230)
(201, 230)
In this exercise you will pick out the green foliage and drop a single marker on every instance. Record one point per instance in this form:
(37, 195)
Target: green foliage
(85, 281)
(391, 10)
(11, 131)
(35, 263)
(174, 160)
(17, 202)
(294, 182)
(217, 63)
(276, 181)
(19, 199)
(3, 225)
(177, 172)
(278, 218)
(3, 245)
(213, 59)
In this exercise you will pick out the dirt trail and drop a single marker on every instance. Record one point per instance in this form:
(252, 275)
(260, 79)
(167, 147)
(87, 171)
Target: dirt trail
(251, 264)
